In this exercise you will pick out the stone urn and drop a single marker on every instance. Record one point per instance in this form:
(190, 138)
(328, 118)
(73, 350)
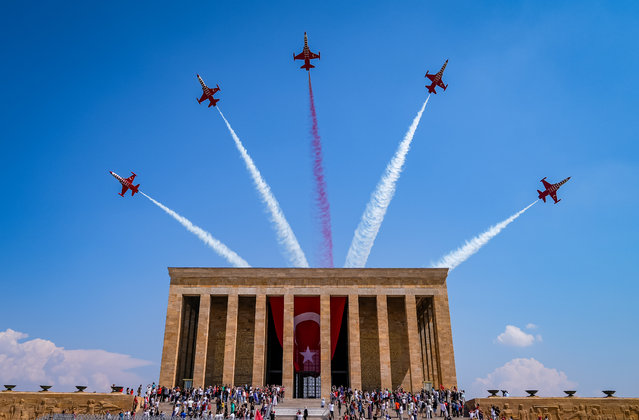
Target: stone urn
(608, 393)
(116, 388)
(80, 388)
(570, 393)
(45, 388)
(532, 392)
(9, 387)
(492, 392)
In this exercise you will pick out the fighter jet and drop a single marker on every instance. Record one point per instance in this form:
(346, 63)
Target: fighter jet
(208, 93)
(306, 55)
(551, 190)
(436, 79)
(126, 183)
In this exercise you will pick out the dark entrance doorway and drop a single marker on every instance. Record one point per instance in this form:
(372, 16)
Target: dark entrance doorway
(307, 385)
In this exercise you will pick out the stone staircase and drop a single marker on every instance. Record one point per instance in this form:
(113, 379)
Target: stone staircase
(287, 410)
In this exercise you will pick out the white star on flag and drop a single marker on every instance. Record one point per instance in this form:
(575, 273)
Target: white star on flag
(307, 355)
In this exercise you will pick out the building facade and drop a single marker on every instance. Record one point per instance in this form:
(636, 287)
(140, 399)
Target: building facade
(308, 328)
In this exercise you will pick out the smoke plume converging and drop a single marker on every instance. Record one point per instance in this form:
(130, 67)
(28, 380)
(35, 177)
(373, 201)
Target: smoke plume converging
(464, 252)
(321, 197)
(283, 230)
(373, 216)
(206, 237)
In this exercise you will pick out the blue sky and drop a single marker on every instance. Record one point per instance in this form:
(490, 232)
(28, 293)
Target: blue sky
(535, 89)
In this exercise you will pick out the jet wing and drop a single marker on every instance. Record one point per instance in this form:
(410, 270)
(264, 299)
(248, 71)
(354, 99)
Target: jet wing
(313, 55)
(554, 196)
(202, 98)
(431, 76)
(124, 189)
(441, 84)
(131, 178)
(299, 56)
(546, 184)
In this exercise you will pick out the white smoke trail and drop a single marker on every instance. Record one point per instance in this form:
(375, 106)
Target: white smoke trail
(464, 252)
(373, 216)
(206, 237)
(284, 232)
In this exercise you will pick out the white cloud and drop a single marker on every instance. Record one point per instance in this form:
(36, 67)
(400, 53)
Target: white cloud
(520, 374)
(514, 336)
(531, 326)
(35, 362)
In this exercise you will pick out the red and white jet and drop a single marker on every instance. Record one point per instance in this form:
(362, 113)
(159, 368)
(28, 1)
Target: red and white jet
(127, 183)
(306, 55)
(551, 190)
(208, 93)
(436, 79)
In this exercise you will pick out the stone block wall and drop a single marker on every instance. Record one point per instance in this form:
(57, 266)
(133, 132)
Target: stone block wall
(399, 353)
(245, 340)
(369, 343)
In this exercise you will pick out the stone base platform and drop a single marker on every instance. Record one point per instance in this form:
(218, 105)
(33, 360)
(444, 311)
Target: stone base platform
(31, 405)
(560, 408)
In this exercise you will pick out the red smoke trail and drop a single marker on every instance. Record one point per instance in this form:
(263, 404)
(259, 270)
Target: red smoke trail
(321, 198)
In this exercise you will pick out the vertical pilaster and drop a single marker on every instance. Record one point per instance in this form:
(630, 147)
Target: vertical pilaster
(354, 354)
(228, 371)
(414, 350)
(287, 345)
(202, 340)
(384, 342)
(444, 339)
(259, 345)
(325, 345)
(171, 340)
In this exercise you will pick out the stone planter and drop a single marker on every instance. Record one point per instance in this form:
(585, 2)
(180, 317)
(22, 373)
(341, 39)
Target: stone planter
(532, 392)
(80, 388)
(608, 393)
(9, 387)
(492, 392)
(45, 388)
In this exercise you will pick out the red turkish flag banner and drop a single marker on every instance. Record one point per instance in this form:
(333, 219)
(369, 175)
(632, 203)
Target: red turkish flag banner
(277, 312)
(337, 313)
(306, 333)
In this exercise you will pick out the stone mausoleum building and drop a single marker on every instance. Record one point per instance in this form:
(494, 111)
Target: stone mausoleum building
(308, 328)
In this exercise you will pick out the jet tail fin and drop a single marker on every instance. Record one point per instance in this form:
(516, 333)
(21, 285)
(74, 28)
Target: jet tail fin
(541, 196)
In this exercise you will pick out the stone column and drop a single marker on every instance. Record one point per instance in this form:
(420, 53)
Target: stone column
(202, 340)
(259, 345)
(287, 345)
(325, 344)
(384, 343)
(171, 340)
(414, 348)
(228, 371)
(444, 338)
(354, 353)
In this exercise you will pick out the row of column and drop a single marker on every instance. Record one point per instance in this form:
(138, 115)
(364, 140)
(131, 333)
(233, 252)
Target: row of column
(172, 333)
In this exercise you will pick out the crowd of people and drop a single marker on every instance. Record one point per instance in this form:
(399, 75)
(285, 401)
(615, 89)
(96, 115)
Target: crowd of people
(260, 403)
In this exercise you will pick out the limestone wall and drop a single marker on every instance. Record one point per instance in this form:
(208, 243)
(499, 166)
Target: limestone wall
(31, 405)
(530, 408)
